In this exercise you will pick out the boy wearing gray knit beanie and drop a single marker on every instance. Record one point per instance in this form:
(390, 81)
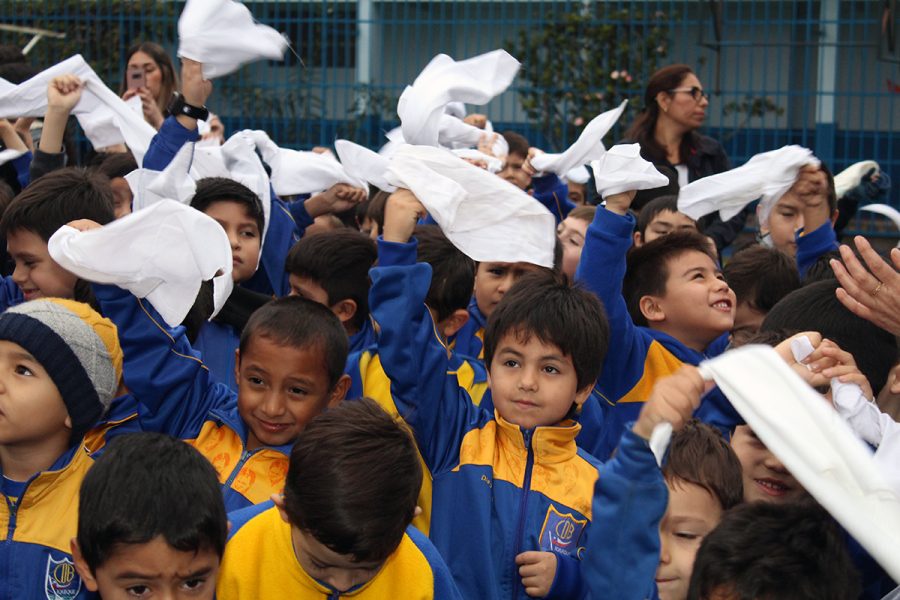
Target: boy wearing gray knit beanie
(60, 367)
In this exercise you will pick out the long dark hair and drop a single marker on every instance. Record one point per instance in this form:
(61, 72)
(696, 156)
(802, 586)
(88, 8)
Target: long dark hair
(164, 62)
(644, 126)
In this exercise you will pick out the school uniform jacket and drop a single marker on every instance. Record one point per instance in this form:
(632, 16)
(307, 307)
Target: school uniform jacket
(637, 356)
(176, 395)
(498, 491)
(260, 562)
(469, 340)
(35, 531)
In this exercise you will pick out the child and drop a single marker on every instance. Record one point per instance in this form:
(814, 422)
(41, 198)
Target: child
(571, 237)
(116, 166)
(673, 291)
(759, 550)
(760, 277)
(341, 527)
(150, 521)
(660, 217)
(33, 216)
(288, 369)
(448, 294)
(652, 533)
(332, 268)
(513, 481)
(60, 366)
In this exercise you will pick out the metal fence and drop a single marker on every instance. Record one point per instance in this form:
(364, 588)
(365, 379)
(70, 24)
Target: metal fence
(825, 74)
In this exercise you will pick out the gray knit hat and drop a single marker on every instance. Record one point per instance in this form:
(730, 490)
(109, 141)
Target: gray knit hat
(77, 347)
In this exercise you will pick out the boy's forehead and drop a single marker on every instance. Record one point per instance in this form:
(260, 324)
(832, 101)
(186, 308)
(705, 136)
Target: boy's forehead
(523, 340)
(669, 216)
(688, 260)
(688, 500)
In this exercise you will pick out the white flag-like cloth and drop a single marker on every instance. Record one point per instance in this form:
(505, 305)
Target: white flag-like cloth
(815, 444)
(622, 169)
(766, 176)
(105, 118)
(487, 218)
(362, 163)
(222, 35)
(162, 253)
(588, 147)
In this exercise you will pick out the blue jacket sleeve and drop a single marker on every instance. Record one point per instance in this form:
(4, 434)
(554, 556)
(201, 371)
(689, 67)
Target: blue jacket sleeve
(301, 217)
(170, 382)
(813, 245)
(271, 278)
(550, 191)
(602, 270)
(166, 144)
(568, 582)
(416, 360)
(10, 293)
(630, 499)
(22, 166)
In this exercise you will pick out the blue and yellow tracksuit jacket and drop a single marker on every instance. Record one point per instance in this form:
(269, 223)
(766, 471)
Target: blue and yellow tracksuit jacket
(369, 379)
(36, 529)
(260, 562)
(638, 356)
(553, 193)
(469, 340)
(363, 339)
(176, 395)
(10, 293)
(498, 491)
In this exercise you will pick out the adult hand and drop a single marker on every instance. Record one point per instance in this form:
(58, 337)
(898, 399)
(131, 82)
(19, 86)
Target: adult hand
(873, 296)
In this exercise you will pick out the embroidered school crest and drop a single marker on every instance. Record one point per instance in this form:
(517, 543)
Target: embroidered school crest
(62, 581)
(561, 532)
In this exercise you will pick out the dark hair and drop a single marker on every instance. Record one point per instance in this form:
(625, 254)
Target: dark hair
(761, 276)
(583, 213)
(10, 54)
(353, 480)
(821, 269)
(647, 270)
(543, 304)
(221, 189)
(17, 72)
(375, 211)
(338, 260)
(452, 272)
(643, 128)
(658, 205)
(517, 143)
(58, 198)
(117, 164)
(169, 82)
(296, 322)
(776, 552)
(816, 308)
(699, 455)
(147, 485)
(6, 196)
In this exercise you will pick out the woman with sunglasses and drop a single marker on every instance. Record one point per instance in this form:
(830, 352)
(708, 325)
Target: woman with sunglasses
(674, 109)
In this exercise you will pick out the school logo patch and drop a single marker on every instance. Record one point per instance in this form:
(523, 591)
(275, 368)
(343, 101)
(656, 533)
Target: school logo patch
(62, 581)
(560, 532)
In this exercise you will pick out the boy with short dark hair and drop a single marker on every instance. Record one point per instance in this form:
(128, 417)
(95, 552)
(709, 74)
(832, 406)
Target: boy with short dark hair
(60, 367)
(33, 216)
(760, 277)
(332, 268)
(150, 521)
(288, 368)
(660, 217)
(513, 481)
(778, 552)
(341, 527)
(681, 310)
(116, 166)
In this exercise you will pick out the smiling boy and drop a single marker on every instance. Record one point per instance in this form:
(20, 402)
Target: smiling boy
(513, 481)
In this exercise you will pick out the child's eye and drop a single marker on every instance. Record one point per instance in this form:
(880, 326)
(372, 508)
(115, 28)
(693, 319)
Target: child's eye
(551, 369)
(510, 363)
(248, 233)
(193, 584)
(23, 370)
(497, 272)
(254, 380)
(687, 536)
(297, 391)
(137, 591)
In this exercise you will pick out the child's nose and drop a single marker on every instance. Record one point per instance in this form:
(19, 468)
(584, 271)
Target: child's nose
(273, 405)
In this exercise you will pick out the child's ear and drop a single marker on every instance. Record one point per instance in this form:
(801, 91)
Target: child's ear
(344, 309)
(68, 422)
(651, 309)
(278, 501)
(638, 239)
(454, 322)
(90, 582)
(582, 395)
(339, 391)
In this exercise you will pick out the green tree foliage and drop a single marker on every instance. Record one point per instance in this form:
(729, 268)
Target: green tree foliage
(581, 63)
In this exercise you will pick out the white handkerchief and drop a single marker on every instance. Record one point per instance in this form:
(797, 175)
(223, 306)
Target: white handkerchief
(852, 176)
(487, 218)
(295, 172)
(815, 445)
(222, 35)
(886, 211)
(362, 163)
(622, 169)
(578, 175)
(766, 176)
(494, 165)
(9, 154)
(588, 147)
(456, 134)
(162, 253)
(474, 81)
(106, 119)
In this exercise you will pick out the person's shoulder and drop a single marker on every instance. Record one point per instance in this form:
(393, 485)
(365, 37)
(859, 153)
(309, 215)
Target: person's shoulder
(704, 144)
(239, 518)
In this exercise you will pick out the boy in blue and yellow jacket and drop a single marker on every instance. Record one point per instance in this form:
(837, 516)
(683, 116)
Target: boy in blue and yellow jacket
(671, 307)
(289, 367)
(513, 482)
(60, 366)
(341, 527)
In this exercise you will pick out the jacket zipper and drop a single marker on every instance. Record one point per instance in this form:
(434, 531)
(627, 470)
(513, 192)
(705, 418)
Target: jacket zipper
(523, 508)
(13, 510)
(237, 469)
